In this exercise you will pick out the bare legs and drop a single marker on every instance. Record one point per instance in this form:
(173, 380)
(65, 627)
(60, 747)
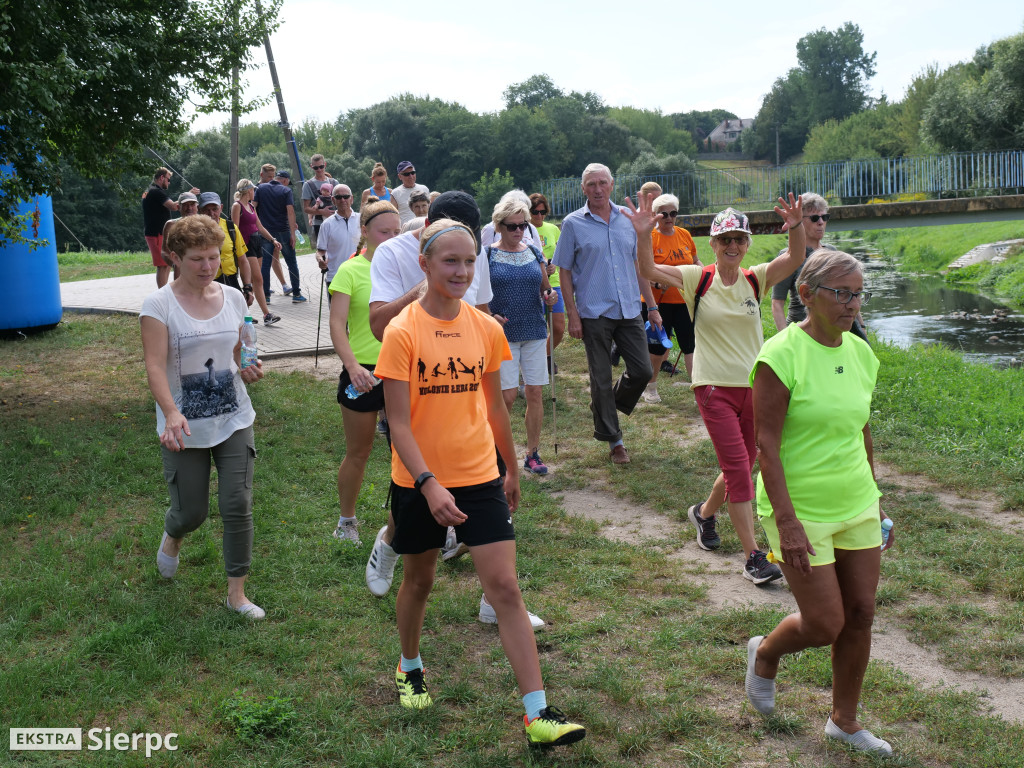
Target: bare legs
(495, 566)
(359, 431)
(534, 412)
(257, 284)
(162, 273)
(837, 608)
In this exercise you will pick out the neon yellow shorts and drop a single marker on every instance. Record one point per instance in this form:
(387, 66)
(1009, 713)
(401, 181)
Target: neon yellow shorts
(862, 531)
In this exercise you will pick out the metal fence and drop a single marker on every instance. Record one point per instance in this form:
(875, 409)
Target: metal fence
(961, 174)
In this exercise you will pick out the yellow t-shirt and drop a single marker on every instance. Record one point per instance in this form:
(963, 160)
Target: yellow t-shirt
(729, 334)
(227, 256)
(444, 361)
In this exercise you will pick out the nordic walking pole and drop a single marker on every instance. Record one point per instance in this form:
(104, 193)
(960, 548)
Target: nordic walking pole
(554, 400)
(319, 317)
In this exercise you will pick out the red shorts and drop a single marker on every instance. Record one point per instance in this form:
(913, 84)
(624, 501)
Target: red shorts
(728, 414)
(156, 244)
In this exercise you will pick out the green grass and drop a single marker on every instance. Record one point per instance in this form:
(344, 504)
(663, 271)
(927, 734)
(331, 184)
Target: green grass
(92, 265)
(90, 636)
(931, 249)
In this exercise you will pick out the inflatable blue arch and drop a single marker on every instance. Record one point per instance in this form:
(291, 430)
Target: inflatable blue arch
(29, 277)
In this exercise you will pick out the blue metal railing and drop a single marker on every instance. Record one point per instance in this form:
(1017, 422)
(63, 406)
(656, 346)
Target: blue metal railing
(961, 174)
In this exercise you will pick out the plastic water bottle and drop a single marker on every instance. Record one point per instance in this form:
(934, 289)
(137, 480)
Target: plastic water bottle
(247, 334)
(299, 238)
(886, 527)
(352, 393)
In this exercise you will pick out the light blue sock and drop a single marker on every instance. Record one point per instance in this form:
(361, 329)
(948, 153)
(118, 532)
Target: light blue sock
(616, 444)
(408, 665)
(534, 702)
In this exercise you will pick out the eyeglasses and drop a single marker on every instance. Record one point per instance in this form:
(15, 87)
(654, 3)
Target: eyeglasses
(407, 173)
(514, 227)
(815, 216)
(342, 197)
(669, 214)
(739, 239)
(318, 167)
(539, 211)
(844, 296)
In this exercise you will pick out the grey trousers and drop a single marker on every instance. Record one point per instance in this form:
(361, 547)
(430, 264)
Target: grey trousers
(606, 398)
(187, 474)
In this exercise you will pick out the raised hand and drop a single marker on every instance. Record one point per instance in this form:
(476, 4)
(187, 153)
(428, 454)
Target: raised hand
(792, 212)
(644, 218)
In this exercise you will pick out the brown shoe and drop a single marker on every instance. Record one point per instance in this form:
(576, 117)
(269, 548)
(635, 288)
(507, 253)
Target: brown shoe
(619, 455)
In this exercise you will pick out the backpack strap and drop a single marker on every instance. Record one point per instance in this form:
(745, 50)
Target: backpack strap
(706, 276)
(231, 236)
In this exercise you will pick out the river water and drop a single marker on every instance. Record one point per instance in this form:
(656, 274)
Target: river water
(908, 309)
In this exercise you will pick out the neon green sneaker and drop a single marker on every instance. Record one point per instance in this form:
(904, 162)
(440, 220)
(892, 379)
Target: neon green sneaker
(412, 690)
(551, 729)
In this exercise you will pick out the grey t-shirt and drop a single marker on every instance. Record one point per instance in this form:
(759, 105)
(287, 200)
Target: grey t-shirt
(400, 197)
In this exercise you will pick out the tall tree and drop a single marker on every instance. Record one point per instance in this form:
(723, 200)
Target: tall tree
(95, 83)
(829, 83)
(531, 93)
(835, 69)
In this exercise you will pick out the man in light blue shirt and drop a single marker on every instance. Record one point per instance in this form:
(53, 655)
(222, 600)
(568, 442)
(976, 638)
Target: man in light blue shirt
(601, 286)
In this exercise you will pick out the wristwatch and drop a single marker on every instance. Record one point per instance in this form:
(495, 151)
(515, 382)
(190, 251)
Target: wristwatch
(418, 484)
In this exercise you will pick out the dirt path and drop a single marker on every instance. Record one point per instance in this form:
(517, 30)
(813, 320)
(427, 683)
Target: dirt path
(623, 521)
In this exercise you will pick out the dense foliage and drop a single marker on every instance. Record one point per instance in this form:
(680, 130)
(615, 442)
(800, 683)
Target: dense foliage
(93, 84)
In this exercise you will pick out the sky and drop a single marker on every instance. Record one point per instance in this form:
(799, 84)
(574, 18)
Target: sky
(336, 56)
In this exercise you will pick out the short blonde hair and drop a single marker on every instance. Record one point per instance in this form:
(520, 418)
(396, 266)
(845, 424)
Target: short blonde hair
(509, 206)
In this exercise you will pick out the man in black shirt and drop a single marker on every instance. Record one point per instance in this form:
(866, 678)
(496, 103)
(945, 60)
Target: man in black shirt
(156, 211)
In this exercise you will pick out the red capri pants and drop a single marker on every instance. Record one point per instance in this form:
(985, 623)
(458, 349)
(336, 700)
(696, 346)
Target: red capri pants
(728, 414)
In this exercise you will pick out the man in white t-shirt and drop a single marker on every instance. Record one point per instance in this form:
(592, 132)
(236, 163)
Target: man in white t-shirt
(400, 195)
(396, 279)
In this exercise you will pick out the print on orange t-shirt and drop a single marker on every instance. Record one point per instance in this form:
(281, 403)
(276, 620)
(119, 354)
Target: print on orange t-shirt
(444, 362)
(672, 250)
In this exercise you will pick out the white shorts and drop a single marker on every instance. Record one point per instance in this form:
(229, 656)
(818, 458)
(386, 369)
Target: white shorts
(529, 356)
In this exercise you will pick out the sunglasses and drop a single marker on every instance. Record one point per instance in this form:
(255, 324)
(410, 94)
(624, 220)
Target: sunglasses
(739, 239)
(669, 214)
(539, 211)
(407, 173)
(815, 216)
(514, 227)
(342, 197)
(318, 167)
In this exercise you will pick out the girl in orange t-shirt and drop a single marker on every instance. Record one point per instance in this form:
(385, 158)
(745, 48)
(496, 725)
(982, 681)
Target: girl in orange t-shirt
(440, 361)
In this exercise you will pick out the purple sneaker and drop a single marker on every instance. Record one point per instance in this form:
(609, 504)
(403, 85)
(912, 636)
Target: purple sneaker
(534, 464)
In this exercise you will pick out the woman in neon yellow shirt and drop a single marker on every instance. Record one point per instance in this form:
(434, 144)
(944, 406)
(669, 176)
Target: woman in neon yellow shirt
(817, 497)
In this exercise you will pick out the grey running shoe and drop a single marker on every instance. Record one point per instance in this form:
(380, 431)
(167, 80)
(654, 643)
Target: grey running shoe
(759, 570)
(707, 528)
(453, 548)
(348, 530)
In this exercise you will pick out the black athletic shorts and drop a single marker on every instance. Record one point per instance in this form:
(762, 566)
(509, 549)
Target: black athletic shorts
(488, 518)
(367, 402)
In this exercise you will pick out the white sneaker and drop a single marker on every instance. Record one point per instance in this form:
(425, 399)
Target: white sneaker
(348, 530)
(863, 740)
(165, 564)
(453, 548)
(651, 394)
(488, 616)
(380, 568)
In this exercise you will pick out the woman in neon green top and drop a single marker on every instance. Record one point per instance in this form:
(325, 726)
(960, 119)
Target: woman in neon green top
(817, 497)
(358, 349)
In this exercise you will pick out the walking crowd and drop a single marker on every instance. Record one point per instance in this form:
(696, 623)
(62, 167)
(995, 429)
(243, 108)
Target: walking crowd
(441, 326)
